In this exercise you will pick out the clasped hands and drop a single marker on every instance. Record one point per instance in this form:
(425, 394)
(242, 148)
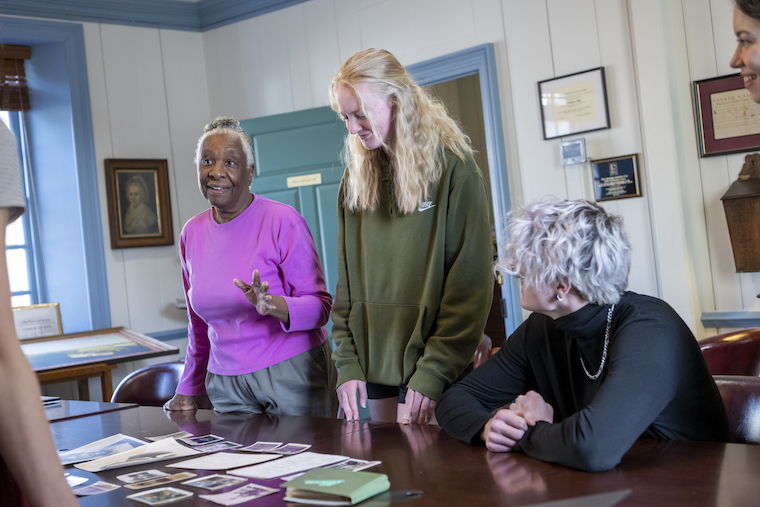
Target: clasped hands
(504, 429)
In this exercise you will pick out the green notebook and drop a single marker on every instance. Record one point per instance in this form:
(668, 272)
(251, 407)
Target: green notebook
(327, 486)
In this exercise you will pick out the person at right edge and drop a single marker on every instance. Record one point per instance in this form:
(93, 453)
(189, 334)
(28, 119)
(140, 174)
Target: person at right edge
(594, 367)
(414, 245)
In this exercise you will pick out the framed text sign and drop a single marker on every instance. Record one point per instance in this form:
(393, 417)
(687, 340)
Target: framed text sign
(616, 178)
(728, 120)
(37, 320)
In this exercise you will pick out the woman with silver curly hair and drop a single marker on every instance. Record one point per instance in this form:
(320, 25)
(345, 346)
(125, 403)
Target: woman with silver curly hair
(261, 346)
(594, 367)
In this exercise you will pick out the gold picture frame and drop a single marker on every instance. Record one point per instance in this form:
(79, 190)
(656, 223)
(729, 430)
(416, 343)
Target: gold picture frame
(139, 207)
(37, 321)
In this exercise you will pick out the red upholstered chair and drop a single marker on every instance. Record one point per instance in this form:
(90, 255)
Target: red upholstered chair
(735, 353)
(153, 386)
(741, 397)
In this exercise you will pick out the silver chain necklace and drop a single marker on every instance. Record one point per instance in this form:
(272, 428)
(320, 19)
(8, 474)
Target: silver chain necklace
(604, 351)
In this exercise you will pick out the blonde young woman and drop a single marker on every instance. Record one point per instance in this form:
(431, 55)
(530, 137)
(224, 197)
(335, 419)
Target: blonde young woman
(414, 245)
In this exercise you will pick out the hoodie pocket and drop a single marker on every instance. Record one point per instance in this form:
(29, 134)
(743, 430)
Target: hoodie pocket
(388, 340)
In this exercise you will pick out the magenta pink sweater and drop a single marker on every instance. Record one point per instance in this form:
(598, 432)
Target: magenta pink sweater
(227, 336)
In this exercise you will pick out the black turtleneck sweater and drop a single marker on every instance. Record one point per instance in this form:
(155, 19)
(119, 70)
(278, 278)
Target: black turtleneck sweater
(655, 384)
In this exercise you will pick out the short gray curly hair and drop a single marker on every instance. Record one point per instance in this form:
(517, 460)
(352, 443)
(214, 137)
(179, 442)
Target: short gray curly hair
(228, 126)
(552, 239)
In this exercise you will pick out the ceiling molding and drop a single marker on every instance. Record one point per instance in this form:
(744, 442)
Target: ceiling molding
(170, 14)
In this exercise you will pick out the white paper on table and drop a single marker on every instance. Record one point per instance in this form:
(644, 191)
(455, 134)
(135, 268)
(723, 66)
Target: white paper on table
(288, 465)
(148, 453)
(99, 449)
(223, 461)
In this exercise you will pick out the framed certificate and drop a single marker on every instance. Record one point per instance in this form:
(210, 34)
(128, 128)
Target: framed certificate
(574, 103)
(616, 178)
(728, 120)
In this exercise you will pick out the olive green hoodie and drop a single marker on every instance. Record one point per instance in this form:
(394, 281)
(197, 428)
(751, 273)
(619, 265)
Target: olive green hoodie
(414, 290)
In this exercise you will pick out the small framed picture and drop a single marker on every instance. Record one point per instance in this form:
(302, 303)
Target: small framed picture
(616, 178)
(37, 320)
(139, 208)
(728, 120)
(574, 103)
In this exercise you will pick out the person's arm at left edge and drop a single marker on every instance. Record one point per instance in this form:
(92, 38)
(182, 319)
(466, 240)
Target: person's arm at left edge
(25, 441)
(467, 293)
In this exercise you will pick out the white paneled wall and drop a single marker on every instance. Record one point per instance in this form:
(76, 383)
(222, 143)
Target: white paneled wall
(152, 91)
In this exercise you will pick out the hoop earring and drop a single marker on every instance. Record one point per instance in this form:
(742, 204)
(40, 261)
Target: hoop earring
(559, 298)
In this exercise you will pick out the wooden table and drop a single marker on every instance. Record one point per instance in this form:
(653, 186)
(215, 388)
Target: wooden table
(81, 374)
(448, 472)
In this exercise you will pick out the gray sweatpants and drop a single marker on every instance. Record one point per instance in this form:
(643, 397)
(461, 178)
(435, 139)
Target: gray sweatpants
(301, 385)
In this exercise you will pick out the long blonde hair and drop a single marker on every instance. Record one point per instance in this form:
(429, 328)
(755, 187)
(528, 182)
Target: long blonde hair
(421, 132)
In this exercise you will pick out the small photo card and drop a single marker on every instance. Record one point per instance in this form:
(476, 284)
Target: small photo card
(158, 481)
(354, 465)
(95, 488)
(160, 496)
(202, 440)
(216, 481)
(262, 446)
(240, 495)
(142, 475)
(291, 448)
(217, 446)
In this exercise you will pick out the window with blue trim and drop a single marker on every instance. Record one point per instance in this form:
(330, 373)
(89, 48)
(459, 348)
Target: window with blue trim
(21, 237)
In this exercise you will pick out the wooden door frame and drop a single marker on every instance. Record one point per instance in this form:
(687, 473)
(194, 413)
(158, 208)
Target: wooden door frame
(481, 60)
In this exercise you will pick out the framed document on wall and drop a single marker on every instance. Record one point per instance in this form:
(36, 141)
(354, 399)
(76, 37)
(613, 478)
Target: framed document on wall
(574, 103)
(728, 120)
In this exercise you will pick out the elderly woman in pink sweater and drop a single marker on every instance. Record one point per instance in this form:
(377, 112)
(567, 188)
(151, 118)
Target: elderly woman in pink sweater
(258, 347)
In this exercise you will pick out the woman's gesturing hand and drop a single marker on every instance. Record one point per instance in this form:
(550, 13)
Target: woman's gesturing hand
(266, 304)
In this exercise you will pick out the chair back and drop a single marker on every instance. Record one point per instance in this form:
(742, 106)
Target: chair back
(153, 386)
(733, 353)
(483, 352)
(741, 397)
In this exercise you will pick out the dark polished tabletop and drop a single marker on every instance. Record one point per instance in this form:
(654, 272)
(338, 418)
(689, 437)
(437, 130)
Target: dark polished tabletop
(448, 472)
(72, 409)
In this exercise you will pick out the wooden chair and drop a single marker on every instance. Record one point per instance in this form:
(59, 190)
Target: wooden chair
(153, 386)
(741, 397)
(735, 353)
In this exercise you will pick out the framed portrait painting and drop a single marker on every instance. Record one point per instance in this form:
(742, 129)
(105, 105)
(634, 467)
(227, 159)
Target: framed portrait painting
(139, 209)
